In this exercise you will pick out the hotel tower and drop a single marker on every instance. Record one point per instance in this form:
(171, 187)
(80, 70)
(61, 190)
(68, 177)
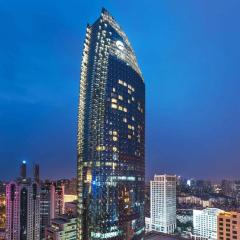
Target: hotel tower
(111, 125)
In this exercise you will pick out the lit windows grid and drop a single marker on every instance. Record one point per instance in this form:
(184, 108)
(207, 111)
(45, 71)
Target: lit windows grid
(109, 169)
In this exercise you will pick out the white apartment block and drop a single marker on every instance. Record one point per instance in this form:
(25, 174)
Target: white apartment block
(162, 204)
(205, 223)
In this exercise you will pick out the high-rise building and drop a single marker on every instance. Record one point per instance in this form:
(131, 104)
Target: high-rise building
(62, 228)
(2, 211)
(57, 198)
(51, 203)
(162, 204)
(70, 186)
(23, 170)
(205, 223)
(36, 173)
(111, 127)
(46, 204)
(227, 187)
(23, 209)
(228, 226)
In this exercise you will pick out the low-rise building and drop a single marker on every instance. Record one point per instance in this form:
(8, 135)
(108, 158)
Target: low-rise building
(62, 228)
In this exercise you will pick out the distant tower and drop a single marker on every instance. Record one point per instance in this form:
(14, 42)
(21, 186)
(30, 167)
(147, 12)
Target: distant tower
(23, 170)
(23, 209)
(57, 200)
(36, 173)
(51, 203)
(45, 207)
(163, 204)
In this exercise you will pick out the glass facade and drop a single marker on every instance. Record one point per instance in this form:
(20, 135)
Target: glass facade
(111, 141)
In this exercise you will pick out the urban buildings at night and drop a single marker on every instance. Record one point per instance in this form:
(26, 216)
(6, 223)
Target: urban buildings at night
(111, 129)
(96, 189)
(162, 204)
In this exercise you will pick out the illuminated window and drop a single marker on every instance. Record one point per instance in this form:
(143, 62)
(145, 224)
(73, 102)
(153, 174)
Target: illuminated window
(98, 164)
(114, 149)
(114, 106)
(125, 109)
(100, 148)
(115, 139)
(114, 100)
(120, 82)
(124, 120)
(120, 97)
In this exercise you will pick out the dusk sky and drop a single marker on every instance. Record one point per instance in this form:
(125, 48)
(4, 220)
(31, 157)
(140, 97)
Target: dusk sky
(188, 51)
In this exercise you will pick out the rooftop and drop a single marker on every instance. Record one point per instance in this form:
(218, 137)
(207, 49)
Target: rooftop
(62, 219)
(161, 236)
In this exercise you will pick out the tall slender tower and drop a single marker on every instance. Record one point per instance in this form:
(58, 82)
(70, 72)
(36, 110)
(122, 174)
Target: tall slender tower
(36, 173)
(111, 139)
(23, 170)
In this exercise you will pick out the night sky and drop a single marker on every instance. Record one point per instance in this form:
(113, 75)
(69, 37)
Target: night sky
(189, 53)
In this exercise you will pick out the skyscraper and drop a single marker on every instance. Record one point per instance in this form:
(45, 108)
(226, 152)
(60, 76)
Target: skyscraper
(23, 170)
(162, 204)
(46, 203)
(111, 137)
(36, 173)
(23, 209)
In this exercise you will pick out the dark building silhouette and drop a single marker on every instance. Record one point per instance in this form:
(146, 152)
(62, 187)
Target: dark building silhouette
(36, 173)
(23, 170)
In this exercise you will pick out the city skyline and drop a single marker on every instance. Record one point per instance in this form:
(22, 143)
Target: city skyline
(187, 52)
